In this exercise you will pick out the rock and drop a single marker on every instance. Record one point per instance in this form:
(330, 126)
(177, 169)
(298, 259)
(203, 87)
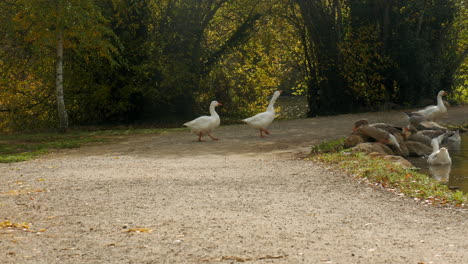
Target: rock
(370, 147)
(394, 159)
(353, 140)
(402, 151)
(417, 149)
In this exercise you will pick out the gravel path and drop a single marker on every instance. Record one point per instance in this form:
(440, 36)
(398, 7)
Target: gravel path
(240, 199)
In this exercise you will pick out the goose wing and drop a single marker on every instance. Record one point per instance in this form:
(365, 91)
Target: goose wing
(260, 120)
(200, 123)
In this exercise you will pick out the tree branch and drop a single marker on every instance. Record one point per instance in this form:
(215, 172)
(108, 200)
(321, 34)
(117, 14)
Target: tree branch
(237, 37)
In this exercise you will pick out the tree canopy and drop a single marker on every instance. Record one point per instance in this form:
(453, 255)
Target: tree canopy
(130, 61)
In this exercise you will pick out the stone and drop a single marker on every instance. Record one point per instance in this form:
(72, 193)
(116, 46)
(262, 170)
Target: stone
(370, 147)
(394, 159)
(353, 140)
(402, 151)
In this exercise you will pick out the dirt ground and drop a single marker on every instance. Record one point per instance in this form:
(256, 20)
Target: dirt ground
(239, 199)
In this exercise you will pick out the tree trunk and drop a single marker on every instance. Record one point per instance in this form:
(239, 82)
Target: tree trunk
(386, 26)
(420, 22)
(339, 20)
(62, 112)
(327, 88)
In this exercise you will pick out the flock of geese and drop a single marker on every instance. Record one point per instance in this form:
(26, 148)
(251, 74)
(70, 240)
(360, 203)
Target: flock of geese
(423, 128)
(424, 119)
(204, 125)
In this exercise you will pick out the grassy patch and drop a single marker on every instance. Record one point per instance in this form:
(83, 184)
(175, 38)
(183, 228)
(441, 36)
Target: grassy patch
(22, 147)
(329, 146)
(462, 128)
(393, 177)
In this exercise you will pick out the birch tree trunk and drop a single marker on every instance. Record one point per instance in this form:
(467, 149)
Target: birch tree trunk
(62, 112)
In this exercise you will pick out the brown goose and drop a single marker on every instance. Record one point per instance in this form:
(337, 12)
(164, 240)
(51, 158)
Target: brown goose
(379, 135)
(431, 133)
(422, 122)
(396, 131)
(412, 134)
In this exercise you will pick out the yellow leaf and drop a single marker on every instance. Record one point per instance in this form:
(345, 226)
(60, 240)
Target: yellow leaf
(8, 224)
(139, 230)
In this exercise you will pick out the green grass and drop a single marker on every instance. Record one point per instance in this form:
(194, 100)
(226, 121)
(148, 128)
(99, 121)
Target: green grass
(393, 177)
(462, 128)
(328, 146)
(23, 147)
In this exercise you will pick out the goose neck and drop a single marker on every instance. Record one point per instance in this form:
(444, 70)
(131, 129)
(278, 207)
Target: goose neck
(212, 110)
(440, 102)
(435, 145)
(271, 105)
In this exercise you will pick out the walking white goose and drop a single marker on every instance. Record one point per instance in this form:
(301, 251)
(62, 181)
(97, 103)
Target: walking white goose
(204, 125)
(261, 121)
(433, 112)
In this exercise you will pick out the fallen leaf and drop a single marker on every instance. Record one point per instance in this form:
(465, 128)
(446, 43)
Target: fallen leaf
(235, 258)
(19, 192)
(272, 257)
(139, 230)
(8, 224)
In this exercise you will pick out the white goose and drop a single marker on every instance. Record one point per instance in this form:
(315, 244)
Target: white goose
(263, 120)
(439, 156)
(433, 112)
(204, 125)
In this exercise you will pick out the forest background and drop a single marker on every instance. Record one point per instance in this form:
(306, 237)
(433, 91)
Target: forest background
(100, 62)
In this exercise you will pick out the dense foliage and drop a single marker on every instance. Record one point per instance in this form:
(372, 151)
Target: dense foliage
(164, 60)
(369, 52)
